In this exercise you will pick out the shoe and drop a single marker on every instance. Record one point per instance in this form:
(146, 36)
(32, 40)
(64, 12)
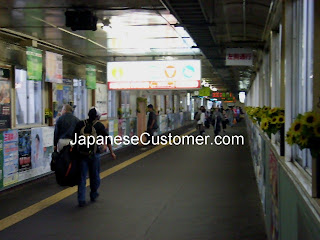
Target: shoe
(82, 203)
(94, 197)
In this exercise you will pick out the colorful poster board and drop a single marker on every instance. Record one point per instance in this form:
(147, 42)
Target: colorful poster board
(34, 64)
(179, 74)
(91, 76)
(5, 99)
(10, 157)
(53, 67)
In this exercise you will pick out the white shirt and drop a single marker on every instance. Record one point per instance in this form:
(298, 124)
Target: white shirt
(202, 118)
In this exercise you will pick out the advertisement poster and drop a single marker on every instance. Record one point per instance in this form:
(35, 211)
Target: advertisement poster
(24, 150)
(5, 105)
(53, 67)
(10, 157)
(47, 137)
(91, 76)
(102, 99)
(273, 177)
(1, 160)
(34, 64)
(36, 149)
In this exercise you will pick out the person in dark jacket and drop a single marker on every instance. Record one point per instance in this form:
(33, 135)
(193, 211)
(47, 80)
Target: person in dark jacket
(63, 131)
(91, 162)
(152, 122)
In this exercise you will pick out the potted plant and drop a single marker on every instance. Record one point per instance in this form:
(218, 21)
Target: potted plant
(305, 132)
(47, 114)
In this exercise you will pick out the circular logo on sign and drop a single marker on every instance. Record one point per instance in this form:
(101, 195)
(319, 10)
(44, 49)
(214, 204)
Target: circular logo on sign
(188, 71)
(117, 72)
(170, 71)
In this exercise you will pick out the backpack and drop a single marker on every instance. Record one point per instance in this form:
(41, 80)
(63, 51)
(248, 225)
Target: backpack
(198, 116)
(88, 130)
(66, 167)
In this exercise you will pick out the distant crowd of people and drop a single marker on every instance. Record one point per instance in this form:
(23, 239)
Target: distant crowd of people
(219, 118)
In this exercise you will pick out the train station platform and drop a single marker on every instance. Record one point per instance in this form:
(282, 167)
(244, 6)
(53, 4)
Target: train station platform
(162, 192)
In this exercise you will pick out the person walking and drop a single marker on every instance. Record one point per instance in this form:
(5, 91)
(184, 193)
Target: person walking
(90, 157)
(152, 125)
(65, 125)
(202, 119)
(217, 118)
(230, 115)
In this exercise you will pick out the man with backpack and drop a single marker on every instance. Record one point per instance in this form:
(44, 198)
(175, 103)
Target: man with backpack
(89, 157)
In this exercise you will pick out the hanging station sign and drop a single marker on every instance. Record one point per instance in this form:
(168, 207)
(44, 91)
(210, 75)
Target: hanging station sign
(224, 96)
(205, 92)
(180, 74)
(239, 57)
(34, 64)
(91, 76)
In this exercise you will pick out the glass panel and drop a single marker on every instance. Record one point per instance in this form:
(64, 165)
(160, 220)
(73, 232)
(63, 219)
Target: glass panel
(21, 96)
(28, 99)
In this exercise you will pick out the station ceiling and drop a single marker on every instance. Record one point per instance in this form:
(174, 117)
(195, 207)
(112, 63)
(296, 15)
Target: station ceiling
(149, 30)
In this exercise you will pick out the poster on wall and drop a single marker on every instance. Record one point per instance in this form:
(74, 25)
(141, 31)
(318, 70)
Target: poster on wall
(102, 99)
(24, 150)
(273, 177)
(10, 157)
(47, 133)
(91, 76)
(53, 67)
(5, 99)
(34, 64)
(1, 160)
(36, 150)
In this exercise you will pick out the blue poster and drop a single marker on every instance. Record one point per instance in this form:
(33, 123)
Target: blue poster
(10, 157)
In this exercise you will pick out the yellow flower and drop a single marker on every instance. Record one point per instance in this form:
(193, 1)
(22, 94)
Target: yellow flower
(274, 120)
(264, 124)
(309, 119)
(281, 119)
(303, 140)
(296, 128)
(289, 138)
(273, 110)
(317, 131)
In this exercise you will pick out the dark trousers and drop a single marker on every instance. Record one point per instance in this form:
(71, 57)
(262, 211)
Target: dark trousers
(91, 165)
(151, 132)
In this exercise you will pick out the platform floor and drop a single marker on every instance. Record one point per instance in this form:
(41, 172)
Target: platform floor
(173, 193)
